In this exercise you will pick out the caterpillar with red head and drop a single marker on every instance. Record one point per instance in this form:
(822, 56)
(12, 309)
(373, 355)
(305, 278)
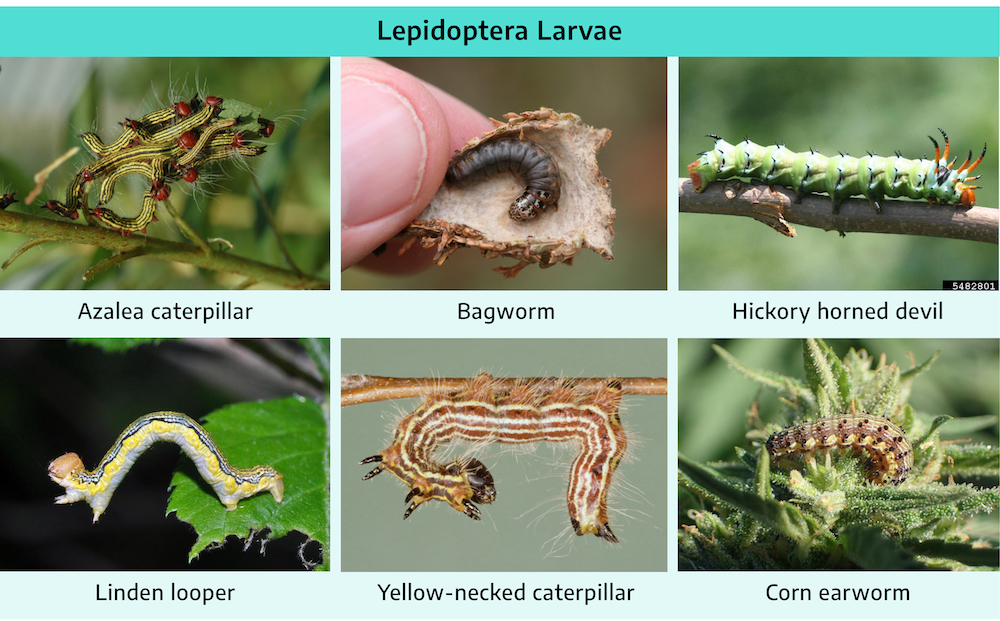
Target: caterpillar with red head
(842, 176)
(522, 415)
(890, 453)
(509, 153)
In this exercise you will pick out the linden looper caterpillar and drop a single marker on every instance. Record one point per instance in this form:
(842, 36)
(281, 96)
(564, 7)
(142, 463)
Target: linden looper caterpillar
(97, 486)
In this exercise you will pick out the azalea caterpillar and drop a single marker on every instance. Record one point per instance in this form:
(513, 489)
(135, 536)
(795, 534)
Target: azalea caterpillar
(98, 485)
(6, 200)
(890, 453)
(521, 415)
(509, 153)
(164, 146)
(842, 176)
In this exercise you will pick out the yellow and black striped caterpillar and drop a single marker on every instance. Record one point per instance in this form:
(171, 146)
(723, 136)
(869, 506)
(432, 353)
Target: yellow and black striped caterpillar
(165, 146)
(98, 485)
(841, 176)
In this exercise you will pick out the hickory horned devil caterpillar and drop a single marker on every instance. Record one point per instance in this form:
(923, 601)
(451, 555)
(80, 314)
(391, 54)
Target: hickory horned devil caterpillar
(841, 176)
(167, 145)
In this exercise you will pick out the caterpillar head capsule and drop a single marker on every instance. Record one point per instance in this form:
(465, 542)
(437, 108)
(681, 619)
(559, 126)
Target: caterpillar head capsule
(480, 481)
(7, 200)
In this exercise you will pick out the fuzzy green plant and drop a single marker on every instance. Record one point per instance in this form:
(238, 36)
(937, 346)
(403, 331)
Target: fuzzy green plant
(819, 511)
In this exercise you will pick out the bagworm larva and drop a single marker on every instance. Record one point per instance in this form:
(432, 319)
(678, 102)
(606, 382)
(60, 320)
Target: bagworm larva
(890, 454)
(524, 415)
(524, 158)
(97, 486)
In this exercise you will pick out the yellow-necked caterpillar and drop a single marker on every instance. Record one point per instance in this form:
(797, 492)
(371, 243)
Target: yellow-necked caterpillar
(890, 454)
(524, 158)
(522, 415)
(97, 486)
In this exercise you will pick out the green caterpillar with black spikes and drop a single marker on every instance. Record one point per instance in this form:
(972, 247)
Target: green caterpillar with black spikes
(841, 176)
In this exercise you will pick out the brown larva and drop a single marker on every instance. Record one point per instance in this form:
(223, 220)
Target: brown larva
(524, 158)
(890, 453)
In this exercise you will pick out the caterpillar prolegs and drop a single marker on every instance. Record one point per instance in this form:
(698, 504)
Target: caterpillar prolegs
(98, 485)
(842, 176)
(523, 415)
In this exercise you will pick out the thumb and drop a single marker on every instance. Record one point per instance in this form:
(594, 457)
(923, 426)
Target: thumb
(395, 147)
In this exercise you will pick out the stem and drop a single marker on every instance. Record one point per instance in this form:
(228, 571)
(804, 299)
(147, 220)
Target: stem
(356, 389)
(270, 220)
(186, 229)
(54, 230)
(776, 207)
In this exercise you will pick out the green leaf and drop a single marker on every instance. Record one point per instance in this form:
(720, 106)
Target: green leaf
(962, 427)
(965, 553)
(246, 115)
(114, 346)
(319, 351)
(777, 381)
(781, 516)
(289, 434)
(909, 374)
(965, 461)
(870, 549)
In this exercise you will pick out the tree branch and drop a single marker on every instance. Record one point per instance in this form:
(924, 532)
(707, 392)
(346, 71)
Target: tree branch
(55, 230)
(776, 207)
(356, 389)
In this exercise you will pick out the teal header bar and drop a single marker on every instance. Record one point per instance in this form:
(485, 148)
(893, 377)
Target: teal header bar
(497, 31)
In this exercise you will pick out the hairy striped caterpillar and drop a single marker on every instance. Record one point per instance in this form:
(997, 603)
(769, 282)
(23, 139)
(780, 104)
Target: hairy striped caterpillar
(841, 176)
(890, 454)
(165, 146)
(97, 486)
(524, 158)
(481, 415)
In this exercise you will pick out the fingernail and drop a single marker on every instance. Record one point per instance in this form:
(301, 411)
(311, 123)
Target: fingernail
(383, 151)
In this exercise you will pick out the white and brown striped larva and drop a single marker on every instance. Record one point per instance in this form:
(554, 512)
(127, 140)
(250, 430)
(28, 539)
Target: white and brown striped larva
(890, 453)
(524, 158)
(522, 415)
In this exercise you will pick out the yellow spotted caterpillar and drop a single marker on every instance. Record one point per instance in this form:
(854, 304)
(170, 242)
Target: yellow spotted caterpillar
(890, 454)
(165, 146)
(97, 486)
(522, 414)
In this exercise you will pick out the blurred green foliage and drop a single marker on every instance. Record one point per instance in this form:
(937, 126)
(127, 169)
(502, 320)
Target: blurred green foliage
(834, 104)
(713, 400)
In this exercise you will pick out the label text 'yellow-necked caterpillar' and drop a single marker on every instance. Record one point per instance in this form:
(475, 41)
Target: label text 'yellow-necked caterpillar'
(523, 415)
(97, 486)
(890, 453)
